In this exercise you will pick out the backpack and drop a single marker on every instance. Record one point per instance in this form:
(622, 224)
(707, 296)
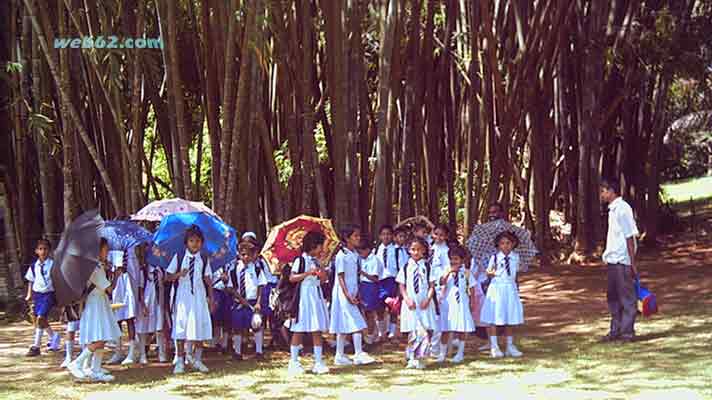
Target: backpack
(427, 280)
(288, 292)
(647, 302)
(181, 256)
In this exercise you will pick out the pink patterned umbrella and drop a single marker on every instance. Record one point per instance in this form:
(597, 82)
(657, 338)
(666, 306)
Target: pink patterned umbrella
(156, 210)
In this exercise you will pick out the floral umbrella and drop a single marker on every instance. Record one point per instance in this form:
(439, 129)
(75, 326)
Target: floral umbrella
(284, 242)
(156, 210)
(482, 246)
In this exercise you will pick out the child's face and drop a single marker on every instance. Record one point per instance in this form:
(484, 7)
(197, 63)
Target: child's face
(247, 256)
(440, 236)
(103, 252)
(386, 236)
(364, 253)
(400, 238)
(353, 240)
(417, 251)
(420, 233)
(505, 245)
(42, 251)
(194, 244)
(316, 252)
(456, 262)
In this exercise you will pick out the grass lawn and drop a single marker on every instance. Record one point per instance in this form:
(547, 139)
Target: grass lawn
(565, 311)
(683, 191)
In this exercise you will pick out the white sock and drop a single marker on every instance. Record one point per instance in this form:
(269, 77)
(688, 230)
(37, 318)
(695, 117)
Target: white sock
(510, 341)
(96, 361)
(198, 353)
(317, 354)
(461, 348)
(38, 337)
(161, 344)
(493, 342)
(259, 341)
(294, 352)
(358, 345)
(188, 349)
(50, 332)
(237, 344)
(86, 353)
(392, 328)
(223, 340)
(132, 349)
(68, 349)
(142, 337)
(340, 344)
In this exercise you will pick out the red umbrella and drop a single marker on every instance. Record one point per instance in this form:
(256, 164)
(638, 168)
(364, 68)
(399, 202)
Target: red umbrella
(284, 242)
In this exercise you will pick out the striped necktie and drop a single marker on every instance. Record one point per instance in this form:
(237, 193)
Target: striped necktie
(243, 290)
(456, 282)
(42, 272)
(416, 279)
(191, 268)
(506, 264)
(385, 258)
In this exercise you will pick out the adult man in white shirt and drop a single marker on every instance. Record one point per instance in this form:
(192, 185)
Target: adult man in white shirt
(620, 256)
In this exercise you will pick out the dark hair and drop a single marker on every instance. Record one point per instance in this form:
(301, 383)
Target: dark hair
(385, 227)
(312, 240)
(103, 242)
(612, 185)
(348, 230)
(419, 225)
(497, 204)
(43, 241)
(509, 235)
(247, 246)
(423, 243)
(364, 244)
(457, 251)
(193, 231)
(401, 229)
(442, 227)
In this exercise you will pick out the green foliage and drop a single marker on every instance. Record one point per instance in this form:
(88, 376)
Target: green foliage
(283, 163)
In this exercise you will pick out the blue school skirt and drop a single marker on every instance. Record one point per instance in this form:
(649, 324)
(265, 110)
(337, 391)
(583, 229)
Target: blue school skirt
(241, 315)
(43, 303)
(388, 288)
(223, 302)
(267, 312)
(368, 293)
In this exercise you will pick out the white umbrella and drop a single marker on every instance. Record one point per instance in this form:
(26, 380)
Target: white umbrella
(156, 210)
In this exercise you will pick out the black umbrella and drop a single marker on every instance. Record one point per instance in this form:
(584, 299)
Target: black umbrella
(76, 257)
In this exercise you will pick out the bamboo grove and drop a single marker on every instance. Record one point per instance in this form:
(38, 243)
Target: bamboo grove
(361, 111)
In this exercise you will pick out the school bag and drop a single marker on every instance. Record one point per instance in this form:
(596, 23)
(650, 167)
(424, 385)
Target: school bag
(647, 302)
(181, 256)
(288, 292)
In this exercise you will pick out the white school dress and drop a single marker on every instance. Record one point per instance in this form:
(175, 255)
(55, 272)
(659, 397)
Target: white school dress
(191, 313)
(456, 315)
(416, 271)
(480, 276)
(98, 323)
(345, 317)
(440, 262)
(153, 289)
(502, 305)
(313, 314)
(126, 289)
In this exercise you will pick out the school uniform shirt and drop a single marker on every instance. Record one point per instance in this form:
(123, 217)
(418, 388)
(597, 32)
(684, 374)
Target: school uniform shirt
(345, 317)
(127, 284)
(502, 305)
(387, 255)
(371, 265)
(417, 286)
(152, 289)
(191, 314)
(98, 323)
(621, 226)
(456, 315)
(440, 264)
(39, 274)
(313, 315)
(266, 271)
(248, 280)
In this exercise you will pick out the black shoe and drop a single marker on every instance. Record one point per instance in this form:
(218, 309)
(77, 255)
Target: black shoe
(627, 339)
(33, 351)
(237, 357)
(609, 339)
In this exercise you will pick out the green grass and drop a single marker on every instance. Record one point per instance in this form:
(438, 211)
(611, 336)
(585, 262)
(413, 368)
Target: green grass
(672, 360)
(693, 189)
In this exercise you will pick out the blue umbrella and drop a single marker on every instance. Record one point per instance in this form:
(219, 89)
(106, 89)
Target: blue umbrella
(220, 244)
(123, 235)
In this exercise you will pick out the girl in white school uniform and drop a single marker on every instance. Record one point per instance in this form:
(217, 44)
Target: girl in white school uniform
(371, 270)
(440, 265)
(125, 292)
(502, 305)
(150, 316)
(245, 286)
(417, 286)
(192, 299)
(346, 317)
(312, 315)
(456, 317)
(98, 324)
